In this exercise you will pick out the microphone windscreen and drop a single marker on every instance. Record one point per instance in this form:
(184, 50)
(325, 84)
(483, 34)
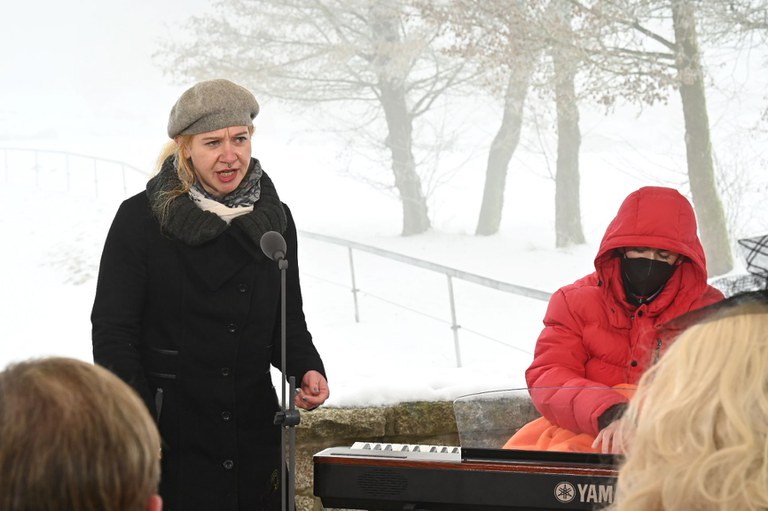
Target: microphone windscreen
(273, 245)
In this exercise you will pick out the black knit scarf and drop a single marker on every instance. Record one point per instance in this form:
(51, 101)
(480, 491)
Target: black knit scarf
(193, 226)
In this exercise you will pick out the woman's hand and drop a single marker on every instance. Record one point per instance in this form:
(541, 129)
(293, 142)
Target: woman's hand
(313, 391)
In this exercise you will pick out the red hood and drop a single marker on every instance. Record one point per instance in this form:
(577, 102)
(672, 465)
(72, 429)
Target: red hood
(656, 217)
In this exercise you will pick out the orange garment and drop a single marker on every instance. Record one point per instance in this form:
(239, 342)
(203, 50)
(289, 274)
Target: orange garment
(542, 435)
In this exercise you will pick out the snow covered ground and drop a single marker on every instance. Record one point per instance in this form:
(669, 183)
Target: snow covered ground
(85, 84)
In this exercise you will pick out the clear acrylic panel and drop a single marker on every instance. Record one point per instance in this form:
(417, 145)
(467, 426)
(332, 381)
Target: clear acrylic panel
(488, 420)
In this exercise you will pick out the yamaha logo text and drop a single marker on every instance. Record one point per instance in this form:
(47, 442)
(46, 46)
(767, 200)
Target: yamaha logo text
(566, 492)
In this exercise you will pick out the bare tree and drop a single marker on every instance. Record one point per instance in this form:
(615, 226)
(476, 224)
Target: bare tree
(319, 51)
(500, 153)
(630, 49)
(565, 63)
(745, 16)
(701, 169)
(743, 23)
(509, 39)
(492, 36)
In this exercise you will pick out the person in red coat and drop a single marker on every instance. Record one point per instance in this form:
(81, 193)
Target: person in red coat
(604, 330)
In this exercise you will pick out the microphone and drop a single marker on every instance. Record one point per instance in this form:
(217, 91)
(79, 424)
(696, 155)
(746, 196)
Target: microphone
(273, 245)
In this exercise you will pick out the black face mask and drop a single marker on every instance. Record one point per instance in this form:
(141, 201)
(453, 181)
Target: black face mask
(644, 278)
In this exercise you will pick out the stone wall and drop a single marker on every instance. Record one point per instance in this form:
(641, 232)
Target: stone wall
(408, 423)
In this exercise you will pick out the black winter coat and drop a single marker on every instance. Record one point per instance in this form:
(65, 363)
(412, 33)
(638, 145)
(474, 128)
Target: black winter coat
(194, 329)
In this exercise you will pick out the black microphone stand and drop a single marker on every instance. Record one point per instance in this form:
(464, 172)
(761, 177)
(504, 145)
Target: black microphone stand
(273, 245)
(287, 418)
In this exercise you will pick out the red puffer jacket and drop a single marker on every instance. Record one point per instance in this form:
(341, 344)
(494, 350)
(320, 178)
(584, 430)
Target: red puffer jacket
(593, 337)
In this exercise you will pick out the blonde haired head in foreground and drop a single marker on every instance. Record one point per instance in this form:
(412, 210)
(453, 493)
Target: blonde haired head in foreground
(73, 436)
(699, 421)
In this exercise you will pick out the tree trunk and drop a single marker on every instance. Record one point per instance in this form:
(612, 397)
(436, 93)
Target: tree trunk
(701, 173)
(503, 146)
(384, 23)
(568, 230)
(399, 141)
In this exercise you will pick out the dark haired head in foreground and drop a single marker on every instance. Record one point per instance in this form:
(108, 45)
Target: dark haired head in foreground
(74, 437)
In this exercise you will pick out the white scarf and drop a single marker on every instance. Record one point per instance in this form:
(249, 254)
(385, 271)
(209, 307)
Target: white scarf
(224, 212)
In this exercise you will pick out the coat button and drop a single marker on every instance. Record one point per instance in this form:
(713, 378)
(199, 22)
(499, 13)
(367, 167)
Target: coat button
(232, 328)
(225, 416)
(228, 464)
(226, 371)
(634, 363)
(242, 288)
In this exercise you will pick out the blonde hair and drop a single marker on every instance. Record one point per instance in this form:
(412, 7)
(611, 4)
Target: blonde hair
(74, 436)
(178, 150)
(699, 421)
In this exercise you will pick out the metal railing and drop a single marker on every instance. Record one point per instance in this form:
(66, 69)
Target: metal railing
(75, 166)
(450, 274)
(45, 163)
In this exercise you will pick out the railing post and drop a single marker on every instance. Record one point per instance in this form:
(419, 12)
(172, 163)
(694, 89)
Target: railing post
(354, 284)
(454, 326)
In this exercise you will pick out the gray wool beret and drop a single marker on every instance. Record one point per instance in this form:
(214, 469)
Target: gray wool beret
(210, 106)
